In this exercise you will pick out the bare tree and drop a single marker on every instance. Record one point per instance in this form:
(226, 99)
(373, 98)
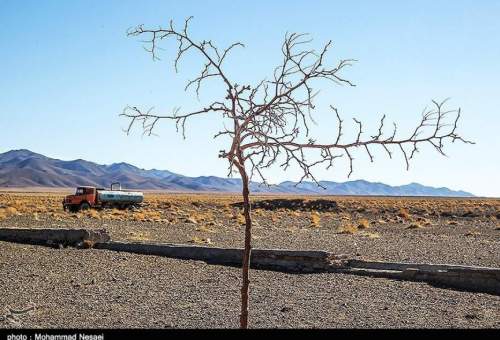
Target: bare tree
(268, 123)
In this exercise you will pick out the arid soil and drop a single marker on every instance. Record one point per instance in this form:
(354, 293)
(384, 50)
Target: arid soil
(97, 288)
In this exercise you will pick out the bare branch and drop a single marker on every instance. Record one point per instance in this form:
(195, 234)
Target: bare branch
(269, 122)
(432, 123)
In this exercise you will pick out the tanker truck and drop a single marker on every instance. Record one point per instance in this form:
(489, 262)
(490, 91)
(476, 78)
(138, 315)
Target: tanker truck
(99, 198)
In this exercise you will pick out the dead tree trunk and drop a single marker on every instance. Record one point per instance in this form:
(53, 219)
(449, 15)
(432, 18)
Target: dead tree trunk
(247, 251)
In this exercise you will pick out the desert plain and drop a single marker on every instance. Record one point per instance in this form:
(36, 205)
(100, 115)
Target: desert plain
(74, 288)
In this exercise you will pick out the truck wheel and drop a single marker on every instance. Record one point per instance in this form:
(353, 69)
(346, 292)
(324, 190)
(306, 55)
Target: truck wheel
(84, 206)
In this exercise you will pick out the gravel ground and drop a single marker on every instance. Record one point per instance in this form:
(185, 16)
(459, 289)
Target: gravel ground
(93, 288)
(468, 242)
(97, 288)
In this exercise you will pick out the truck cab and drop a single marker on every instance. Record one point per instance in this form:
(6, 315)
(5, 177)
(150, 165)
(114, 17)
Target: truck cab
(83, 199)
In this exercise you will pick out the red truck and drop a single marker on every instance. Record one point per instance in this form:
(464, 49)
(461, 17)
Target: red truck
(87, 197)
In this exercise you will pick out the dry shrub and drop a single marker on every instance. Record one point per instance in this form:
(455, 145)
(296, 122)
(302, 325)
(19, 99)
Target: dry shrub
(139, 236)
(116, 212)
(315, 219)
(347, 228)
(415, 225)
(191, 220)
(200, 240)
(154, 216)
(87, 244)
(11, 211)
(363, 223)
(138, 216)
(241, 219)
(60, 217)
(205, 229)
(228, 216)
(404, 214)
(93, 214)
(8, 211)
(472, 233)
(41, 210)
(371, 235)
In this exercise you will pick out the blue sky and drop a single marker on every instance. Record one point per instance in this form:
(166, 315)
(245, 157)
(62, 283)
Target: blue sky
(68, 69)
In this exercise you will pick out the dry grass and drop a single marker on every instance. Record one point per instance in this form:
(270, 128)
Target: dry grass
(404, 214)
(204, 211)
(191, 220)
(372, 235)
(473, 233)
(87, 244)
(241, 219)
(199, 240)
(315, 219)
(139, 236)
(93, 214)
(347, 228)
(363, 223)
(415, 225)
(205, 229)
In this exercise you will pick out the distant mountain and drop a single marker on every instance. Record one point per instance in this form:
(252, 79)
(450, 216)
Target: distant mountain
(23, 168)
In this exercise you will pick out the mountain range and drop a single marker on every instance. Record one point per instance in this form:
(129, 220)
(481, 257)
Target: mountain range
(23, 168)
